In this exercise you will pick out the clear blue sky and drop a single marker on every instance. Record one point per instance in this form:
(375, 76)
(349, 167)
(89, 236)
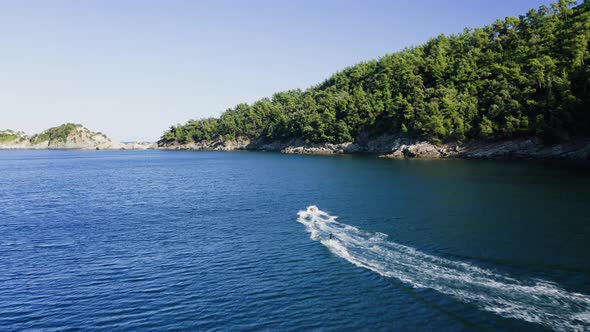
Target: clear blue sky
(132, 68)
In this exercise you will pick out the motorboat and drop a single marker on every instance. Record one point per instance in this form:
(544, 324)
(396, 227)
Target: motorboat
(312, 209)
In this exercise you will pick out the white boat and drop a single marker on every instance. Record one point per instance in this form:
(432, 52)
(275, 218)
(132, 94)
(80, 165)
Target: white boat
(312, 209)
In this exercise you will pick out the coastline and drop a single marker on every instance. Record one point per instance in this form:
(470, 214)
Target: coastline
(395, 147)
(109, 147)
(68, 136)
(77, 137)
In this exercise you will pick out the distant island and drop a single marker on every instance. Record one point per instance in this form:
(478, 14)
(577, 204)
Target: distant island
(66, 136)
(518, 88)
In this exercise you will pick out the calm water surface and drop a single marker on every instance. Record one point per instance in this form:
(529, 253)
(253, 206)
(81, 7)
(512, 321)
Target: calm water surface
(99, 240)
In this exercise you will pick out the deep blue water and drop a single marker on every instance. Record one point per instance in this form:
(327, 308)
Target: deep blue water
(154, 240)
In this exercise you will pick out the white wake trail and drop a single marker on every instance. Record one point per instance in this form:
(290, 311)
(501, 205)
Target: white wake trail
(532, 301)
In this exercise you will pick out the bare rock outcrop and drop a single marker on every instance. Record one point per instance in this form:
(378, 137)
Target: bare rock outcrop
(210, 145)
(505, 149)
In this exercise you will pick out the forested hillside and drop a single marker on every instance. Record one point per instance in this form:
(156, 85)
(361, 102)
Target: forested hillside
(521, 76)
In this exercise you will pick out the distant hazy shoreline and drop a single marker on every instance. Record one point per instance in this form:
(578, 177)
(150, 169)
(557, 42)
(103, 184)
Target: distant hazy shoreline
(68, 136)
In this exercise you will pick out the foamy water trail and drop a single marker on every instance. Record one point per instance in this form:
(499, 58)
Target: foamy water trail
(533, 301)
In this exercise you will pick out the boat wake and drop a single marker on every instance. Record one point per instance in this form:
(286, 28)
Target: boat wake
(534, 301)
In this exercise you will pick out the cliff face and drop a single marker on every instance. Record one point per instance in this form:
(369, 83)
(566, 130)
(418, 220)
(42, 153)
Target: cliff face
(67, 136)
(388, 146)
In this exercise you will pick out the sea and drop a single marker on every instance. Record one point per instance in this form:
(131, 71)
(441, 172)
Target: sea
(226, 241)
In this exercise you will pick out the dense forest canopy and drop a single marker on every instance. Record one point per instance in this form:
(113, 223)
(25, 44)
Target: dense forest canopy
(521, 76)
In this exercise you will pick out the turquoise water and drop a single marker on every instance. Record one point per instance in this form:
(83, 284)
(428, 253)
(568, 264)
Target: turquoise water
(153, 240)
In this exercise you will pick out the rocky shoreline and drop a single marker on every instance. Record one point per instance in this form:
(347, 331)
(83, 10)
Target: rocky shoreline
(75, 138)
(80, 146)
(395, 147)
(385, 146)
